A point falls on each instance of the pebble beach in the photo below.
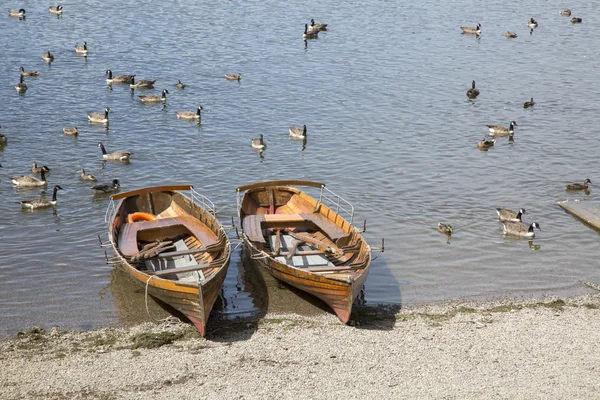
(517, 349)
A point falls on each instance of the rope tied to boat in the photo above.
(146, 297)
(261, 255)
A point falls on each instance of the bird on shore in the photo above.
(21, 87)
(71, 131)
(37, 169)
(471, 30)
(529, 103)
(29, 181)
(180, 84)
(141, 84)
(532, 23)
(154, 98)
(317, 27)
(86, 177)
(28, 73)
(579, 186)
(99, 118)
(56, 10)
(508, 215)
(189, 115)
(520, 229)
(107, 188)
(565, 12)
(575, 20)
(309, 34)
(472, 92)
(82, 50)
(297, 133)
(510, 34)
(259, 143)
(486, 143)
(41, 202)
(118, 78)
(498, 130)
(233, 77)
(445, 228)
(17, 13)
(119, 155)
(48, 57)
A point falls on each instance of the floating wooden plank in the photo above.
(583, 210)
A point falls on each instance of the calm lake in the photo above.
(382, 93)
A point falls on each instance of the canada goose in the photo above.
(141, 84)
(190, 115)
(258, 143)
(55, 10)
(118, 78)
(520, 229)
(309, 34)
(507, 215)
(470, 30)
(576, 20)
(41, 202)
(28, 73)
(486, 143)
(29, 181)
(317, 27)
(87, 177)
(36, 170)
(473, 92)
(510, 34)
(71, 131)
(119, 155)
(565, 12)
(154, 98)
(180, 84)
(47, 56)
(297, 133)
(21, 86)
(99, 118)
(107, 188)
(233, 77)
(529, 103)
(444, 228)
(17, 13)
(579, 186)
(497, 130)
(532, 23)
(82, 50)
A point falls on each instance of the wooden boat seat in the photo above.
(129, 234)
(253, 224)
(180, 270)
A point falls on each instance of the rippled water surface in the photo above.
(389, 128)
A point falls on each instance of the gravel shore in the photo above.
(522, 349)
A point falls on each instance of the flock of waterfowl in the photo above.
(103, 117)
(512, 222)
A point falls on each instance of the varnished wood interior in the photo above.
(268, 209)
(178, 218)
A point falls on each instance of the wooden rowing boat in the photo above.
(171, 244)
(304, 242)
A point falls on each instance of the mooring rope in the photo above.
(146, 297)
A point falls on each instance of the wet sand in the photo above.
(521, 349)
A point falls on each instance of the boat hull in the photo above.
(269, 208)
(194, 298)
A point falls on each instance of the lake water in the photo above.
(389, 128)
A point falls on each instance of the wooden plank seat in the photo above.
(180, 270)
(254, 224)
(215, 247)
(128, 239)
